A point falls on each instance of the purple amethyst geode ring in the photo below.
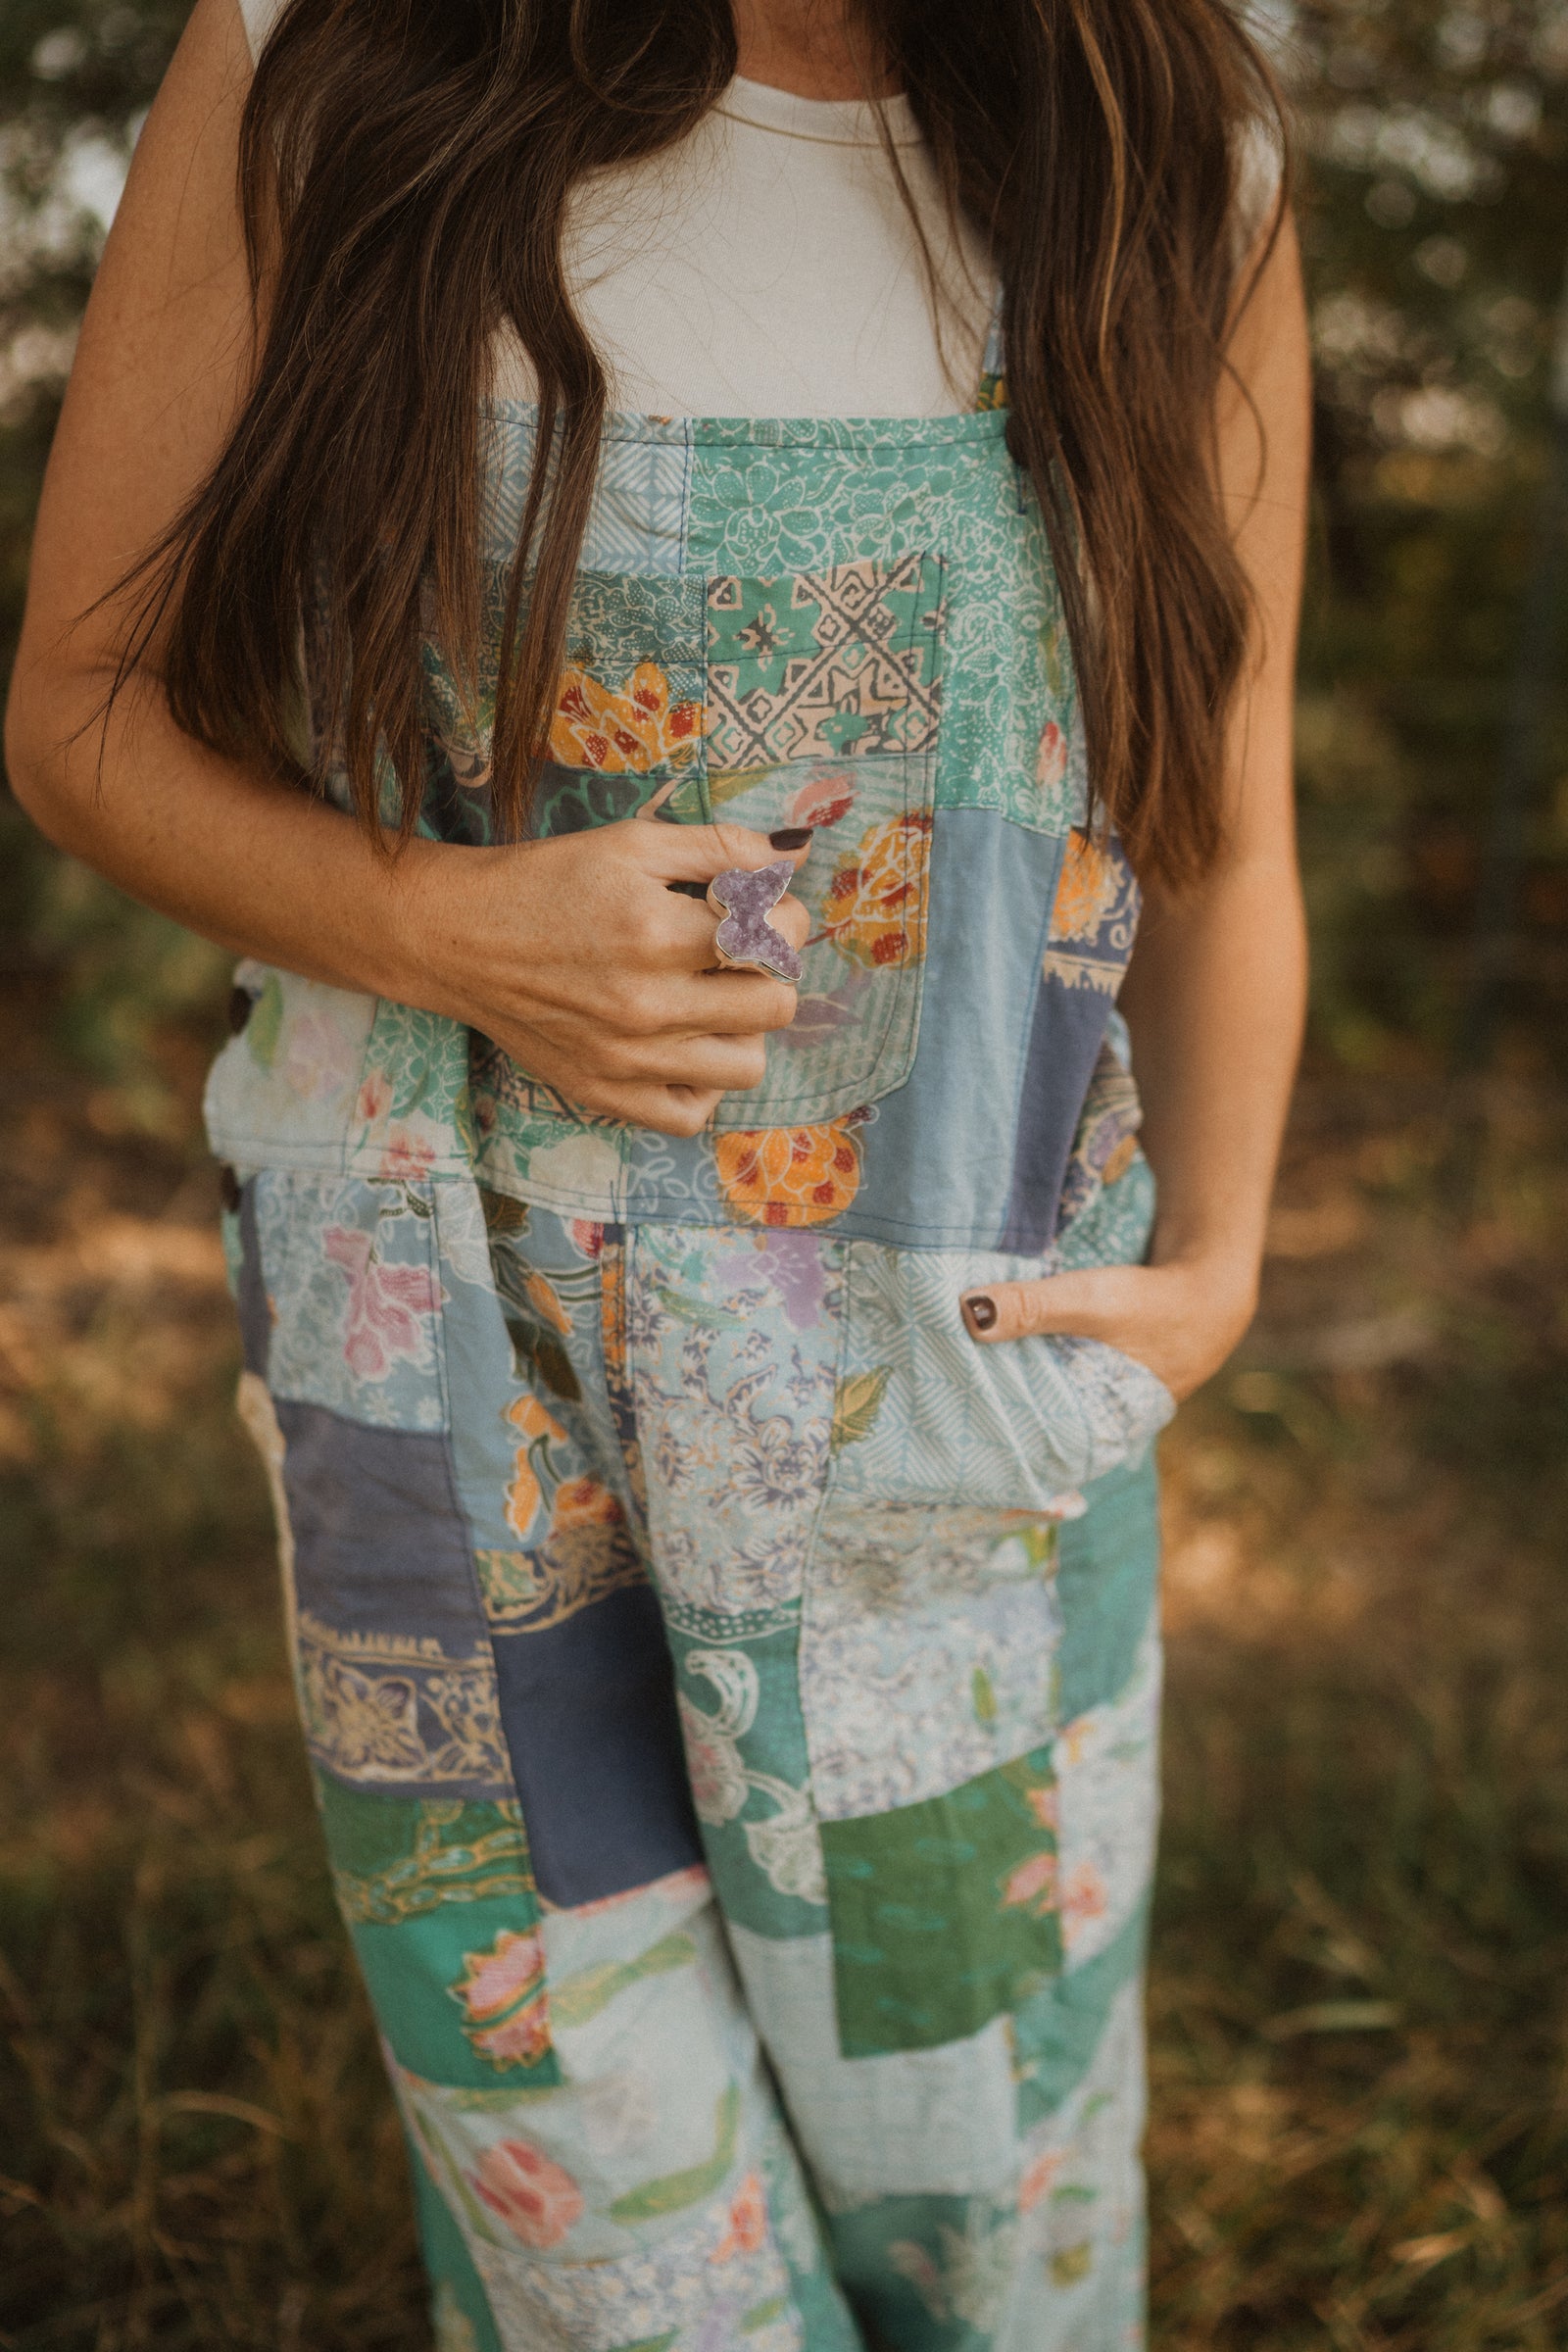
(746, 940)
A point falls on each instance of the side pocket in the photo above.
(923, 1414)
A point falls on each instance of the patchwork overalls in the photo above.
(733, 1693)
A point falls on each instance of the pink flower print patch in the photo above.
(824, 799)
(536, 2199)
(386, 1303)
(1039, 2179)
(1031, 1886)
(503, 1991)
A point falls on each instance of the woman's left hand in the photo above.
(1181, 1319)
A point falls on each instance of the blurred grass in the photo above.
(198, 2148)
(1360, 1987)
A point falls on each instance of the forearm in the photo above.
(244, 858)
(1214, 999)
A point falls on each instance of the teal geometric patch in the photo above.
(1107, 1574)
(824, 664)
(460, 2309)
(1058, 2031)
(944, 1912)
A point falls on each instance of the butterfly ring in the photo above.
(745, 941)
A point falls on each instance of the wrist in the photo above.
(1223, 1272)
(422, 947)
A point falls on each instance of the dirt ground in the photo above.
(1357, 2002)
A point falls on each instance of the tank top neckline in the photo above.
(964, 425)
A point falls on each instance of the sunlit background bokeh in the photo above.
(1359, 2002)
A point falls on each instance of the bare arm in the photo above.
(1215, 992)
(571, 953)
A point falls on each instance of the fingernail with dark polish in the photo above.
(981, 1311)
(793, 837)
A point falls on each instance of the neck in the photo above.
(813, 48)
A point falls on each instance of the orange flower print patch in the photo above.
(536, 2199)
(789, 1175)
(1093, 916)
(538, 1431)
(503, 1991)
(627, 731)
(544, 1297)
(1087, 891)
(747, 2223)
(874, 909)
(583, 1502)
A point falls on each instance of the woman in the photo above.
(709, 1409)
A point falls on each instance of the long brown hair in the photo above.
(404, 170)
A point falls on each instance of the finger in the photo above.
(670, 1110)
(730, 1005)
(1075, 1305)
(696, 853)
(727, 1065)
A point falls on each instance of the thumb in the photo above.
(1074, 1303)
(696, 853)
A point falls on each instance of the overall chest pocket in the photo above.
(802, 699)
(823, 700)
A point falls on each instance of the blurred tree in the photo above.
(1436, 143)
(76, 82)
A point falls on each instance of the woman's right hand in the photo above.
(576, 957)
(570, 952)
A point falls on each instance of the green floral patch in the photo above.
(440, 1900)
(619, 619)
(945, 1913)
(413, 1112)
(394, 1857)
(459, 1993)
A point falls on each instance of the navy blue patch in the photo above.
(379, 1545)
(588, 1709)
(1064, 1041)
(392, 1653)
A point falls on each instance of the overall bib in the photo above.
(733, 1693)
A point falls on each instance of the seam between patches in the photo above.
(449, 1464)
